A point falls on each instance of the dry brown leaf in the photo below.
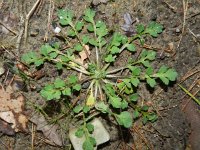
(6, 128)
(83, 53)
(49, 130)
(12, 108)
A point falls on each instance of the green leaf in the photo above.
(163, 69)
(65, 16)
(166, 75)
(64, 59)
(149, 71)
(115, 101)
(59, 83)
(145, 108)
(134, 97)
(90, 127)
(29, 57)
(78, 47)
(38, 62)
(93, 42)
(101, 106)
(88, 145)
(110, 59)
(131, 47)
(90, 28)
(154, 29)
(85, 39)
(151, 55)
(125, 119)
(77, 87)
(79, 133)
(152, 117)
(67, 92)
(136, 114)
(93, 141)
(109, 89)
(57, 94)
(171, 74)
(146, 63)
(114, 50)
(101, 29)
(86, 109)
(151, 82)
(72, 79)
(71, 33)
(53, 55)
(164, 80)
(135, 70)
(135, 81)
(117, 39)
(56, 45)
(128, 90)
(124, 104)
(79, 25)
(47, 92)
(139, 28)
(46, 49)
(77, 109)
(127, 82)
(89, 15)
(124, 39)
(59, 65)
(144, 120)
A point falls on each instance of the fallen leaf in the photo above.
(49, 130)
(6, 128)
(12, 108)
(83, 54)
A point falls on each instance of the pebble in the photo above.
(85, 85)
(2, 69)
(34, 32)
(57, 30)
(178, 30)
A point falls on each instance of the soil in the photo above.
(179, 116)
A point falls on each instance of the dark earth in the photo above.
(178, 125)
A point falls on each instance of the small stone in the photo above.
(34, 32)
(85, 85)
(57, 30)
(2, 69)
(178, 30)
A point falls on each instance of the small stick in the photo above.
(28, 17)
(51, 9)
(15, 33)
(185, 8)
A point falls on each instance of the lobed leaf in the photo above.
(125, 119)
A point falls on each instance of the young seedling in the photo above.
(109, 90)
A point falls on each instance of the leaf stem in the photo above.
(72, 67)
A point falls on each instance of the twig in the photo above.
(19, 38)
(51, 9)
(32, 136)
(28, 18)
(185, 8)
(189, 74)
(190, 94)
(174, 9)
(15, 33)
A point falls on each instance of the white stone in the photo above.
(100, 134)
(57, 30)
